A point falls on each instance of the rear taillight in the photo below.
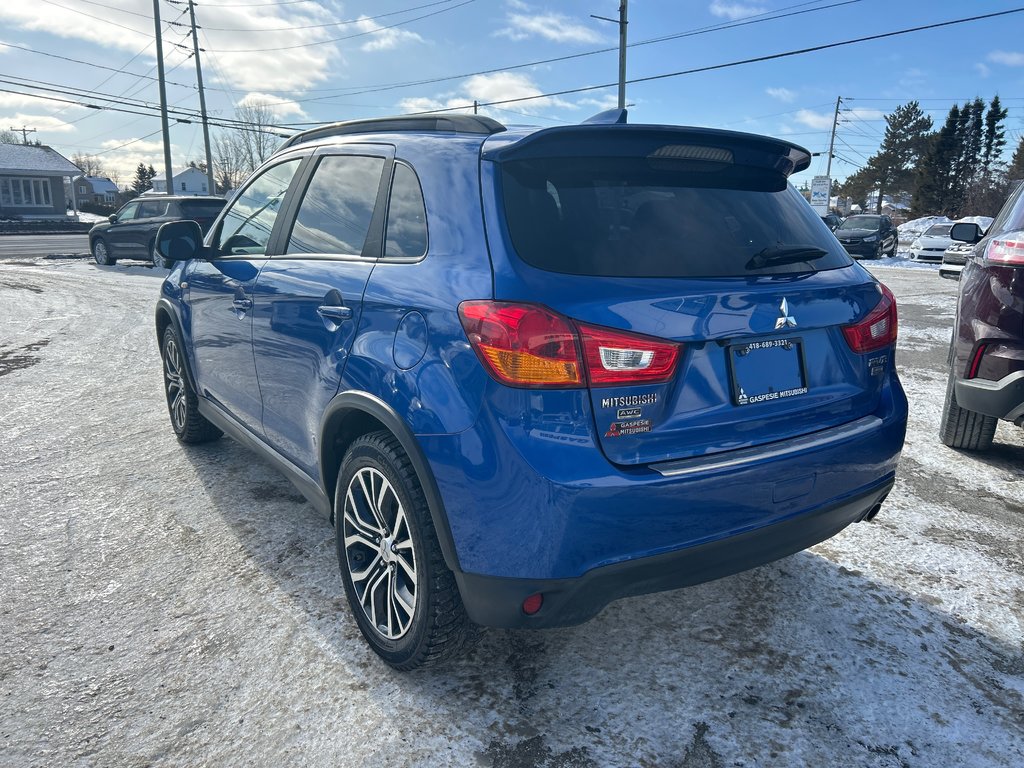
(878, 329)
(1007, 250)
(615, 358)
(528, 345)
(979, 353)
(524, 345)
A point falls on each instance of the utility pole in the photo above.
(168, 170)
(622, 22)
(24, 132)
(832, 141)
(202, 101)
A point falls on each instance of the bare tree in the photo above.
(8, 137)
(240, 150)
(228, 167)
(90, 164)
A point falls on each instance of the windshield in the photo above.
(631, 217)
(938, 230)
(861, 222)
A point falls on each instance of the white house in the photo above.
(190, 181)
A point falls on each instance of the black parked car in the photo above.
(832, 220)
(986, 355)
(868, 236)
(129, 233)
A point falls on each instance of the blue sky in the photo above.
(316, 77)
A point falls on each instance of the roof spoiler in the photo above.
(471, 124)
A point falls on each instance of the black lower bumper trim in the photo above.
(497, 602)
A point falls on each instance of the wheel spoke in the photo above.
(355, 520)
(361, 539)
(371, 594)
(369, 496)
(410, 570)
(391, 602)
(368, 571)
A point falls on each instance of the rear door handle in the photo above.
(334, 312)
(242, 305)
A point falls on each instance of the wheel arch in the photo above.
(165, 317)
(351, 415)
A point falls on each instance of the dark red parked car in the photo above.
(986, 357)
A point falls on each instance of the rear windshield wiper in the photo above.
(785, 254)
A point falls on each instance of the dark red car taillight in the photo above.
(529, 345)
(1006, 250)
(878, 329)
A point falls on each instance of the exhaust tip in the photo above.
(873, 512)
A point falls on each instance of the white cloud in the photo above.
(822, 121)
(279, 108)
(384, 39)
(551, 26)
(734, 10)
(19, 101)
(41, 123)
(782, 94)
(499, 86)
(1009, 58)
(814, 119)
(982, 69)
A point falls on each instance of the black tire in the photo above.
(965, 429)
(182, 404)
(390, 559)
(101, 253)
(895, 248)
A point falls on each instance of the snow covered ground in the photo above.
(169, 606)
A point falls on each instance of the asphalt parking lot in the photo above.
(170, 606)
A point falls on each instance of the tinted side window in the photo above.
(1011, 215)
(335, 213)
(128, 212)
(407, 218)
(249, 221)
(152, 209)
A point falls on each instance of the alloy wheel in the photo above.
(379, 553)
(175, 384)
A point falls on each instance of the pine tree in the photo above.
(141, 180)
(934, 174)
(1016, 170)
(891, 169)
(994, 139)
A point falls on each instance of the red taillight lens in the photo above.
(1006, 250)
(528, 345)
(614, 357)
(524, 345)
(878, 329)
(979, 353)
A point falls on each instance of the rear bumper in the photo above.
(497, 602)
(1003, 399)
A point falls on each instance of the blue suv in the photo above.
(526, 372)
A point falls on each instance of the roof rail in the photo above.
(474, 124)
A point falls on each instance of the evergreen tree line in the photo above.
(955, 171)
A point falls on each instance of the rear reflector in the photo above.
(1007, 250)
(878, 329)
(979, 353)
(529, 345)
(533, 603)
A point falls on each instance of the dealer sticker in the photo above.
(624, 428)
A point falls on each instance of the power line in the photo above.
(87, 63)
(328, 24)
(714, 67)
(744, 21)
(346, 37)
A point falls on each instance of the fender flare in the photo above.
(351, 401)
(165, 306)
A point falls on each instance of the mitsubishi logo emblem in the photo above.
(785, 320)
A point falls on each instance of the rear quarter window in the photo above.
(633, 217)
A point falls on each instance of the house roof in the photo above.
(162, 176)
(32, 159)
(99, 184)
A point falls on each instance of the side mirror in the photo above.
(179, 240)
(112, 218)
(965, 232)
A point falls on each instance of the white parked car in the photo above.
(932, 243)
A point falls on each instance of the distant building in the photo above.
(98, 190)
(190, 181)
(32, 181)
